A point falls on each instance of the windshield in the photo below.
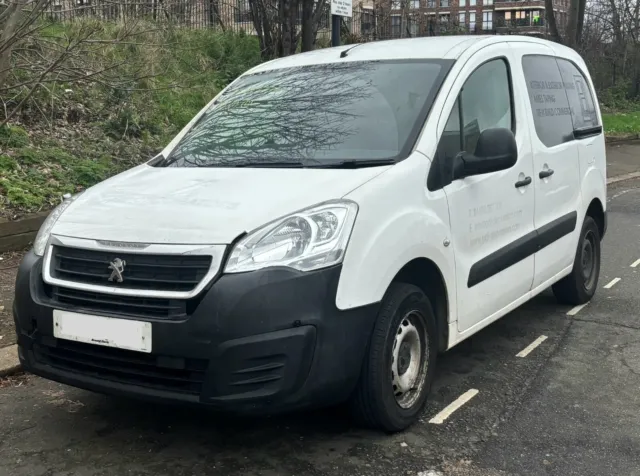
(315, 115)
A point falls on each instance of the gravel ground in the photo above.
(8, 268)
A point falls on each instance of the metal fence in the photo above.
(366, 24)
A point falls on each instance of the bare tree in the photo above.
(17, 21)
(34, 59)
(312, 15)
(573, 31)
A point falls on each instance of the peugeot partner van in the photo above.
(324, 228)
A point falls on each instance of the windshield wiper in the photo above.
(356, 164)
(260, 165)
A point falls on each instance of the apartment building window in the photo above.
(412, 27)
(444, 19)
(414, 4)
(444, 3)
(395, 26)
(463, 3)
(536, 19)
(366, 22)
(518, 18)
(472, 3)
(396, 5)
(488, 2)
(516, 15)
(462, 18)
(431, 3)
(487, 20)
(472, 21)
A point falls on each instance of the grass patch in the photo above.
(621, 123)
(70, 136)
(33, 179)
(13, 136)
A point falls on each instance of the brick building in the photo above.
(433, 17)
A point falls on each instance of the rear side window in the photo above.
(549, 101)
(583, 110)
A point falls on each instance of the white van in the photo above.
(326, 226)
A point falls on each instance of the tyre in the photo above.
(580, 286)
(399, 365)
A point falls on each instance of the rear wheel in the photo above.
(580, 286)
(400, 362)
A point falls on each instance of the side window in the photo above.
(486, 102)
(483, 103)
(583, 110)
(549, 102)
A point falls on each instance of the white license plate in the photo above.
(106, 331)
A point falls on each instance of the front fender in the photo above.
(398, 221)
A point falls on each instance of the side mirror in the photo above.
(496, 150)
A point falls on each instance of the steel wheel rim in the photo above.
(409, 360)
(588, 259)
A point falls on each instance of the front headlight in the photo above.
(311, 239)
(40, 243)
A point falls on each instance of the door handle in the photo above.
(524, 182)
(546, 173)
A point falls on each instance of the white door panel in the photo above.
(491, 218)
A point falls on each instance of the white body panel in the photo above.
(199, 206)
(398, 220)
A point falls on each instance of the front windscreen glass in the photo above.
(315, 115)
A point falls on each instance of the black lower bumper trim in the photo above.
(268, 341)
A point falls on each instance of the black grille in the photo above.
(145, 370)
(142, 271)
(134, 306)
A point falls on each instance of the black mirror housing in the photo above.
(496, 150)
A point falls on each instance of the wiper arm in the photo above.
(357, 164)
(261, 165)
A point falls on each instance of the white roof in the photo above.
(435, 47)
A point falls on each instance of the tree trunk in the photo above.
(288, 13)
(308, 26)
(214, 14)
(12, 16)
(264, 28)
(551, 21)
(581, 9)
(572, 23)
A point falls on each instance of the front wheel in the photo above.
(580, 286)
(400, 361)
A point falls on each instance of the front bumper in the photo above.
(270, 340)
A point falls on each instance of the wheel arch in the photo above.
(596, 211)
(425, 274)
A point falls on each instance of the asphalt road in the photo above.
(570, 407)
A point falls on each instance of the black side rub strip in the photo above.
(521, 248)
